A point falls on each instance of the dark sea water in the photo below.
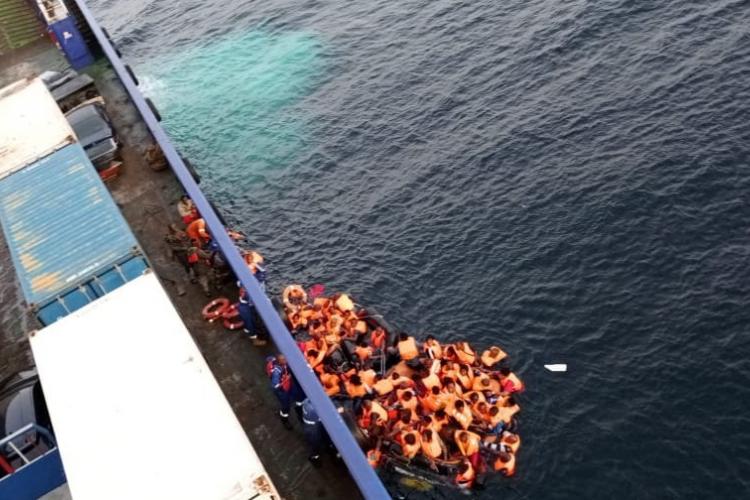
(569, 179)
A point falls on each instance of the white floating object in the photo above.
(557, 368)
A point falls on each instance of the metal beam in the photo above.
(366, 478)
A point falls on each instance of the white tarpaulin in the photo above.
(136, 410)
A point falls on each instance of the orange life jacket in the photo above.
(380, 411)
(430, 402)
(506, 468)
(410, 450)
(355, 391)
(360, 327)
(512, 383)
(197, 230)
(313, 362)
(506, 413)
(467, 396)
(466, 480)
(434, 347)
(471, 446)
(409, 405)
(432, 380)
(363, 352)
(331, 383)
(368, 377)
(477, 384)
(464, 418)
(513, 446)
(377, 338)
(432, 447)
(466, 380)
(465, 353)
(489, 360)
(383, 387)
(403, 369)
(408, 349)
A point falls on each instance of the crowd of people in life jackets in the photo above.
(443, 404)
(446, 405)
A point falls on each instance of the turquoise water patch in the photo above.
(228, 103)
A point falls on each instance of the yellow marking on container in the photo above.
(46, 281)
(29, 262)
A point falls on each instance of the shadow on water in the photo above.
(226, 101)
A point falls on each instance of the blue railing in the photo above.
(367, 480)
(36, 476)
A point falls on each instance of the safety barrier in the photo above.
(363, 474)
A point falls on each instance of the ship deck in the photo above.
(147, 199)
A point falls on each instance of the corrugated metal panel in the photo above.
(152, 422)
(32, 125)
(60, 223)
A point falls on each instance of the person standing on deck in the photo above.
(247, 312)
(281, 383)
(313, 431)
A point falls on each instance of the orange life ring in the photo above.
(215, 309)
(230, 312)
(232, 319)
(233, 324)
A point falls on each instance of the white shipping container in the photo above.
(31, 125)
(136, 411)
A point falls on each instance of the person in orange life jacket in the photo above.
(480, 413)
(462, 414)
(505, 463)
(492, 356)
(331, 383)
(511, 441)
(468, 443)
(363, 351)
(313, 431)
(197, 232)
(315, 359)
(500, 417)
(382, 386)
(407, 400)
(483, 383)
(465, 475)
(281, 383)
(432, 447)
(472, 398)
(377, 339)
(407, 347)
(465, 377)
(397, 380)
(510, 382)
(465, 353)
(430, 401)
(186, 209)
(432, 348)
(355, 387)
(368, 377)
(440, 419)
(409, 441)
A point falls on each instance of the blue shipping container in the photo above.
(69, 242)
